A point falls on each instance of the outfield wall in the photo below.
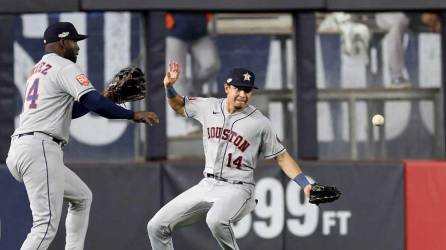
(390, 206)
(370, 214)
(425, 206)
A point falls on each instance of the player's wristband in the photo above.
(171, 92)
(301, 180)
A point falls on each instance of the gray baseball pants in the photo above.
(220, 203)
(37, 161)
(205, 62)
(396, 25)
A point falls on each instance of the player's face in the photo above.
(238, 97)
(71, 49)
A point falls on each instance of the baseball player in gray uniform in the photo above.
(235, 134)
(56, 92)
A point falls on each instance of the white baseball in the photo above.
(378, 120)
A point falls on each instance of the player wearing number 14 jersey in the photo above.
(235, 135)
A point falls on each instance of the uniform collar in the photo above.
(246, 111)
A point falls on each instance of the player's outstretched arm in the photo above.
(102, 106)
(79, 110)
(175, 100)
(290, 167)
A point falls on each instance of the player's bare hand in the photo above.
(107, 94)
(307, 190)
(146, 117)
(172, 74)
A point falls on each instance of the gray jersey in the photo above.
(54, 84)
(233, 142)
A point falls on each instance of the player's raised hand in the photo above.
(146, 117)
(172, 74)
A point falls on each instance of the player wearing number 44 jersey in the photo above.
(56, 92)
(235, 134)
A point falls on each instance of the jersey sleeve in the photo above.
(270, 145)
(74, 82)
(195, 107)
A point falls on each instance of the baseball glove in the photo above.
(127, 85)
(323, 194)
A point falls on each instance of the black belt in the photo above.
(58, 141)
(223, 179)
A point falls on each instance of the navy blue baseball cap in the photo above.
(240, 77)
(61, 30)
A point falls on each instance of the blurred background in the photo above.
(324, 68)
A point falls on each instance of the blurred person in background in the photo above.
(188, 35)
(396, 24)
(355, 36)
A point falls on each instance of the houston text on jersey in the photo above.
(231, 136)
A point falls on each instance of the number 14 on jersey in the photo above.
(237, 162)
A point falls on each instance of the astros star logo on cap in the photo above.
(247, 77)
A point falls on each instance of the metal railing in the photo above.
(280, 25)
(353, 96)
